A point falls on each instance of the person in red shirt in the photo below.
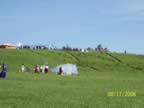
(36, 68)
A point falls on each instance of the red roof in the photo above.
(8, 44)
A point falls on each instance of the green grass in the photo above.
(98, 75)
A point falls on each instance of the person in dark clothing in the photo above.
(46, 68)
(60, 71)
(4, 71)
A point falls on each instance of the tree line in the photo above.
(99, 48)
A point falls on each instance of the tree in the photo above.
(99, 47)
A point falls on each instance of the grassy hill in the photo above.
(99, 74)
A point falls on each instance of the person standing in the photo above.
(46, 68)
(4, 71)
(22, 68)
(43, 69)
(60, 71)
(36, 68)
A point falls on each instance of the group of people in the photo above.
(43, 68)
(3, 71)
(37, 68)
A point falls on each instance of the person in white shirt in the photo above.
(22, 68)
(43, 69)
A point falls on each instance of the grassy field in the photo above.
(99, 74)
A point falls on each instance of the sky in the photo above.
(116, 24)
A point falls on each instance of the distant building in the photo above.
(8, 46)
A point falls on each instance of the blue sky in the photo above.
(116, 24)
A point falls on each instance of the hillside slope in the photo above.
(85, 61)
(99, 74)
